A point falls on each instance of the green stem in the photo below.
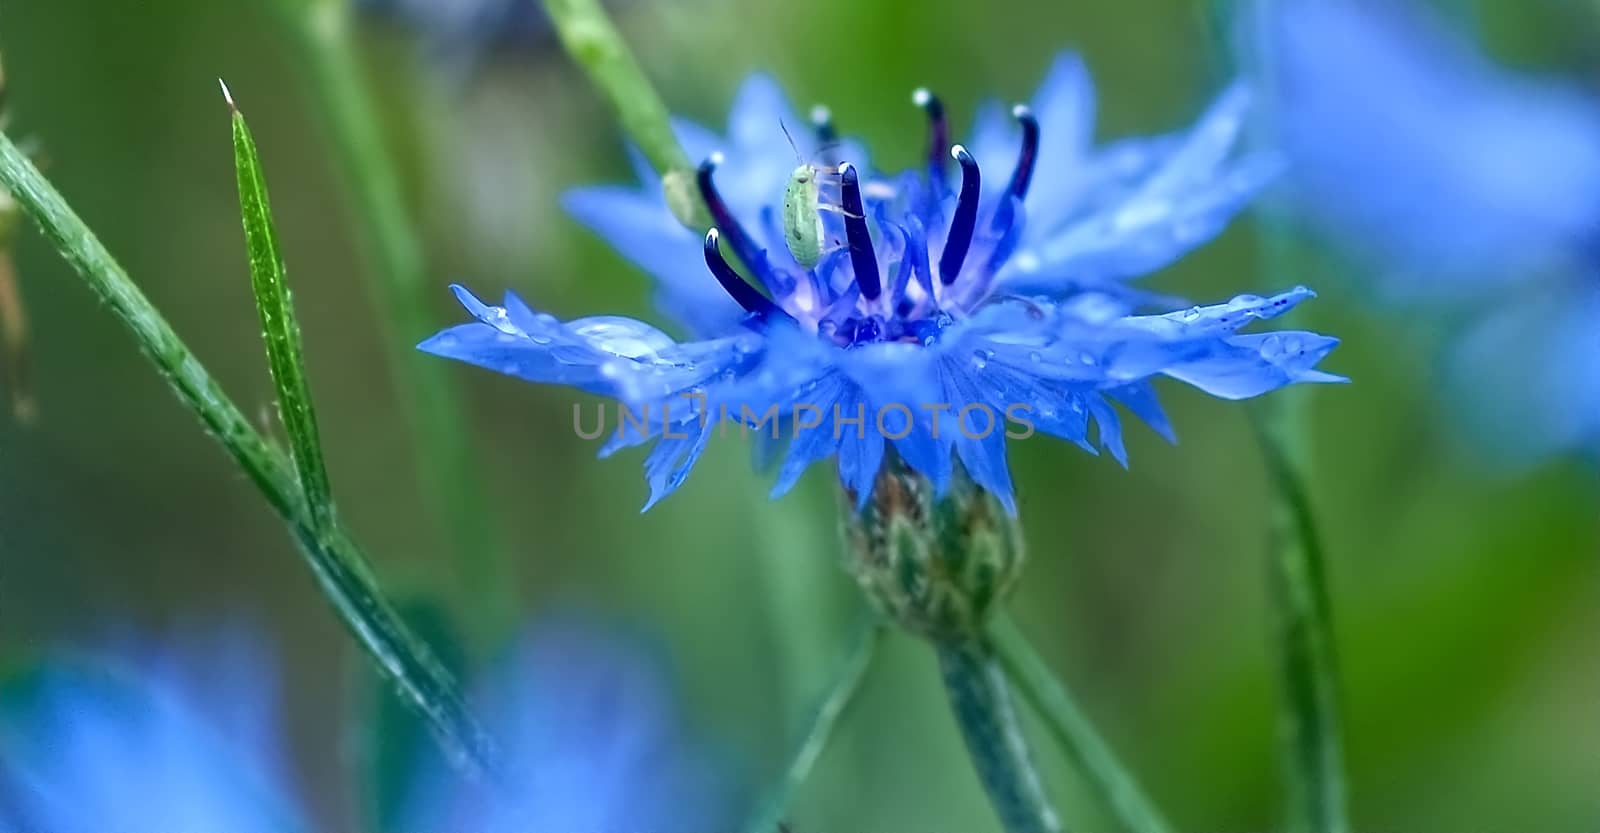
(846, 682)
(1313, 749)
(338, 565)
(1311, 732)
(597, 47)
(982, 703)
(402, 290)
(1073, 729)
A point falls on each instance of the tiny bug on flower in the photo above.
(803, 231)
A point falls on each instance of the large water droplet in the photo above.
(1143, 212)
(623, 336)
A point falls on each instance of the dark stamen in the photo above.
(938, 131)
(743, 246)
(1030, 151)
(960, 237)
(822, 123)
(856, 234)
(735, 286)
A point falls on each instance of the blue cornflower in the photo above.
(185, 741)
(1472, 189)
(456, 27)
(169, 744)
(590, 744)
(945, 315)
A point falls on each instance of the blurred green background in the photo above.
(1467, 600)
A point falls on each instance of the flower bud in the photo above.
(937, 565)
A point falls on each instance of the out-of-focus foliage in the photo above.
(1465, 598)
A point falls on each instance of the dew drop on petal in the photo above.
(623, 336)
(1141, 213)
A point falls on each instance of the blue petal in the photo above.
(165, 743)
(1181, 203)
(1525, 381)
(674, 456)
(1110, 425)
(606, 355)
(583, 713)
(1250, 365)
(641, 229)
(1408, 142)
(698, 142)
(1140, 398)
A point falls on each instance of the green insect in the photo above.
(802, 218)
(803, 232)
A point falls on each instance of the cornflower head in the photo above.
(184, 741)
(980, 295)
(1470, 191)
(591, 744)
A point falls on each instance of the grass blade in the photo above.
(598, 48)
(337, 564)
(404, 294)
(1074, 731)
(279, 327)
(841, 691)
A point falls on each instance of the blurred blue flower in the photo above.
(948, 304)
(590, 741)
(169, 746)
(1474, 192)
(457, 27)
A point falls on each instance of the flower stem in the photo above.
(1075, 732)
(597, 47)
(1311, 731)
(401, 288)
(1313, 746)
(982, 703)
(338, 565)
(846, 682)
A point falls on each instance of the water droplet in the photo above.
(1245, 301)
(1271, 347)
(448, 341)
(1191, 314)
(1035, 357)
(623, 336)
(1086, 358)
(1141, 213)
